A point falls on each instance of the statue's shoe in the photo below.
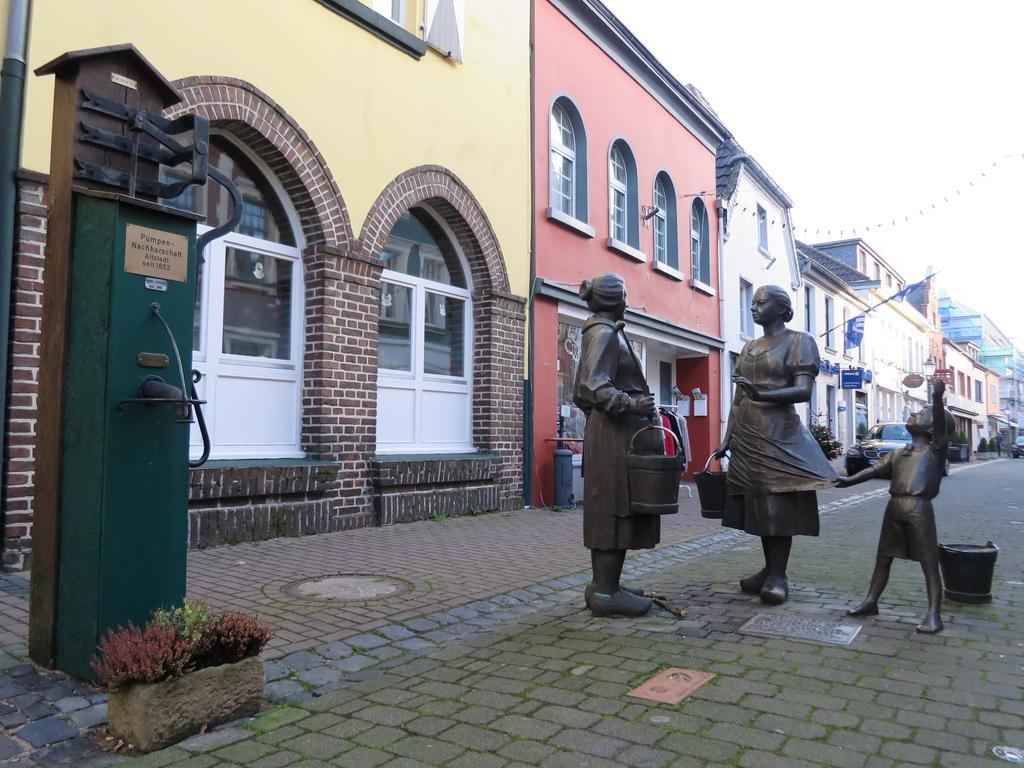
(588, 593)
(775, 590)
(752, 584)
(621, 603)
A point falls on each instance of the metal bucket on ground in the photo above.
(711, 491)
(967, 571)
(654, 478)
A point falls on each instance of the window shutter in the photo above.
(444, 26)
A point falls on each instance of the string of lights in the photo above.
(970, 184)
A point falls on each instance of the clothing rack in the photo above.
(682, 447)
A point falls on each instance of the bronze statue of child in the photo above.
(908, 528)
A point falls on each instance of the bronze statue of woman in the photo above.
(775, 465)
(612, 391)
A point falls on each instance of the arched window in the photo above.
(623, 202)
(563, 162)
(567, 140)
(423, 362)
(666, 226)
(700, 244)
(248, 326)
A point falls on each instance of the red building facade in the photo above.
(624, 182)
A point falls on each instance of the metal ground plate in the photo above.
(802, 627)
(671, 686)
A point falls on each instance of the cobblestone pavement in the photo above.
(481, 676)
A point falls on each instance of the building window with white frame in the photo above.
(247, 332)
(762, 229)
(567, 143)
(623, 196)
(423, 360)
(666, 226)
(809, 309)
(617, 195)
(700, 242)
(844, 329)
(746, 303)
(391, 9)
(830, 314)
(563, 162)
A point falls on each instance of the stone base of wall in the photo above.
(407, 506)
(419, 488)
(263, 500)
(258, 522)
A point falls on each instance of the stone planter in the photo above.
(154, 715)
(985, 455)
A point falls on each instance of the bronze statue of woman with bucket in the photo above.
(775, 465)
(621, 510)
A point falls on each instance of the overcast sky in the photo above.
(868, 112)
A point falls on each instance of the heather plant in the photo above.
(175, 642)
(231, 638)
(134, 655)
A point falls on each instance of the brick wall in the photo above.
(23, 372)
(339, 388)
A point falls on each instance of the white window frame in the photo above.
(391, 9)
(746, 301)
(567, 155)
(618, 230)
(700, 244)
(215, 364)
(830, 320)
(762, 229)
(809, 309)
(661, 238)
(416, 380)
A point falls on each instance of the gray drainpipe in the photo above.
(12, 101)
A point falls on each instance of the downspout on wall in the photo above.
(724, 366)
(12, 107)
(528, 384)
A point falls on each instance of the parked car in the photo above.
(878, 441)
(1017, 449)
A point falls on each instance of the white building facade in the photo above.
(830, 296)
(757, 248)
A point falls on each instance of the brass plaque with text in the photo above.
(154, 253)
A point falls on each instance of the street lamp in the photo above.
(929, 368)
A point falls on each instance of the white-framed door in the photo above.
(248, 344)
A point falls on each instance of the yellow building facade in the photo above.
(383, 150)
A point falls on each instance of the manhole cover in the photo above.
(350, 587)
(801, 628)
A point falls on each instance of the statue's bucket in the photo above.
(967, 571)
(654, 479)
(711, 490)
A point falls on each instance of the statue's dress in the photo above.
(775, 465)
(607, 377)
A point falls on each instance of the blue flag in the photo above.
(854, 332)
(900, 295)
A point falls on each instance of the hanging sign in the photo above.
(852, 378)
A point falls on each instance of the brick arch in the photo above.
(244, 111)
(444, 192)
